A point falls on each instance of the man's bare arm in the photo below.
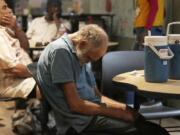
(109, 102)
(79, 105)
(114, 104)
(19, 71)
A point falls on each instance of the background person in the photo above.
(15, 80)
(150, 16)
(46, 28)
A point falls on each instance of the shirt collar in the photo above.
(2, 27)
(69, 42)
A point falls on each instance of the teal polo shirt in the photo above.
(58, 64)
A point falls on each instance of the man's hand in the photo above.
(135, 115)
(9, 21)
(19, 71)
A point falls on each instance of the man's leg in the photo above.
(138, 32)
(109, 125)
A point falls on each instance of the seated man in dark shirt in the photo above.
(68, 84)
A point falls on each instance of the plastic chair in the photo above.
(45, 107)
(118, 62)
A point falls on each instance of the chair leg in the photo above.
(136, 101)
(44, 116)
(160, 121)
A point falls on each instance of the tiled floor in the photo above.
(6, 110)
(170, 122)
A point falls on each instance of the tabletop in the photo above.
(136, 78)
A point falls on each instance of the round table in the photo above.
(169, 89)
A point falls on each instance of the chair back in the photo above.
(45, 107)
(118, 62)
(32, 68)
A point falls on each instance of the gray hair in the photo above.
(93, 33)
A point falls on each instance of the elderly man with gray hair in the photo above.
(68, 85)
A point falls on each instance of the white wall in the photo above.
(68, 4)
(123, 10)
(124, 15)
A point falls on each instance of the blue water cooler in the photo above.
(174, 45)
(157, 55)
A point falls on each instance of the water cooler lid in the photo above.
(173, 39)
(156, 40)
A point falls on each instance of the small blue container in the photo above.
(129, 97)
(156, 58)
(174, 45)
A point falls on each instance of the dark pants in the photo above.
(155, 31)
(102, 125)
(110, 126)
